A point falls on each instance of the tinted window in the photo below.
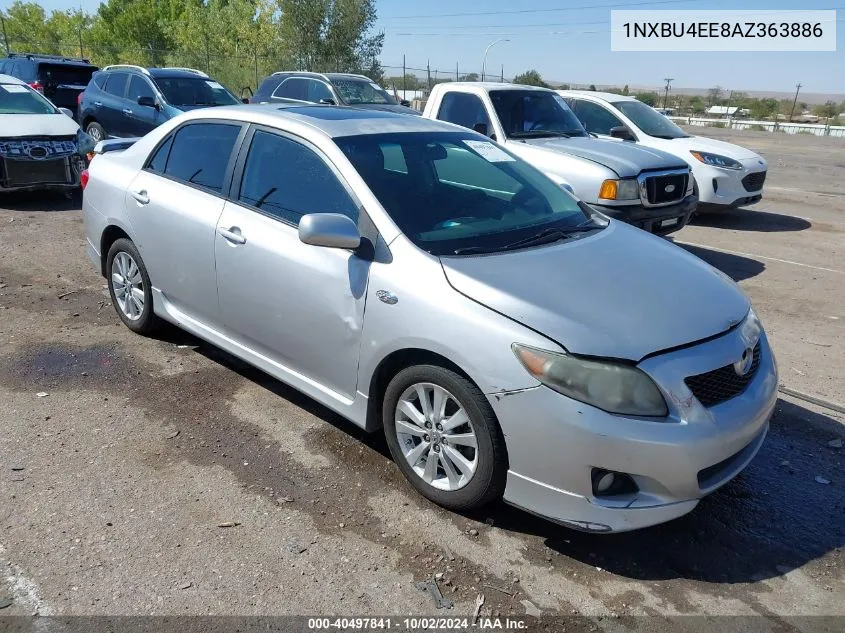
(463, 109)
(394, 159)
(139, 87)
(116, 84)
(288, 180)
(293, 88)
(649, 120)
(99, 80)
(200, 154)
(194, 91)
(65, 74)
(317, 90)
(595, 118)
(535, 114)
(159, 160)
(460, 191)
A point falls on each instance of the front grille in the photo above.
(722, 384)
(656, 188)
(754, 182)
(34, 172)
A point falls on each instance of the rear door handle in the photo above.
(98, 103)
(232, 234)
(127, 111)
(140, 196)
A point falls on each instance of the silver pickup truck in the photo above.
(645, 187)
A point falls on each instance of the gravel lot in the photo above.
(161, 476)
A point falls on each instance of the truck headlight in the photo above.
(624, 189)
(716, 160)
(613, 387)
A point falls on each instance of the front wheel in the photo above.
(444, 436)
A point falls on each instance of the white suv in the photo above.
(726, 175)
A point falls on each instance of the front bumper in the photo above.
(31, 175)
(554, 443)
(723, 189)
(658, 220)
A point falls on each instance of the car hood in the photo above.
(627, 159)
(620, 293)
(387, 107)
(703, 144)
(18, 125)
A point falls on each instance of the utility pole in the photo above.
(428, 72)
(668, 81)
(404, 87)
(457, 76)
(502, 77)
(5, 37)
(794, 101)
(728, 109)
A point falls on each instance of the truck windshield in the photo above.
(649, 120)
(453, 193)
(535, 114)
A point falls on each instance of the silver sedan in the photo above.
(416, 277)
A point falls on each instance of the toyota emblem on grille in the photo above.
(669, 188)
(37, 152)
(743, 365)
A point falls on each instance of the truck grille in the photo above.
(754, 182)
(722, 384)
(19, 173)
(656, 188)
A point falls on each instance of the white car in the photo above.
(41, 146)
(726, 175)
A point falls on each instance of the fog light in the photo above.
(605, 482)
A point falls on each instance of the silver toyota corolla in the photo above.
(415, 276)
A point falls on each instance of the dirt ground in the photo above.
(161, 476)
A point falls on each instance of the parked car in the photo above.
(415, 276)
(726, 175)
(329, 88)
(41, 146)
(126, 101)
(60, 79)
(644, 187)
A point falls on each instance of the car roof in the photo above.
(175, 72)
(50, 59)
(8, 79)
(492, 85)
(603, 96)
(333, 121)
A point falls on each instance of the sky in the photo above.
(569, 41)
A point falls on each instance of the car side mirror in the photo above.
(621, 131)
(66, 112)
(148, 102)
(405, 103)
(327, 102)
(481, 128)
(245, 100)
(331, 230)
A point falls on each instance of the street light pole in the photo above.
(486, 50)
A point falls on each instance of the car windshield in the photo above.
(649, 120)
(194, 91)
(17, 99)
(535, 114)
(453, 193)
(356, 91)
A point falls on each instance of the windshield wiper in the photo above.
(546, 236)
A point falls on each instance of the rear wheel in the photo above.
(96, 131)
(444, 437)
(130, 288)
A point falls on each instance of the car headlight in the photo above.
(610, 386)
(715, 160)
(625, 189)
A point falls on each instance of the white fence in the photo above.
(786, 127)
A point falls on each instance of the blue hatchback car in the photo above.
(125, 101)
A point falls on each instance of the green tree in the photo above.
(625, 90)
(764, 108)
(27, 30)
(828, 110)
(470, 77)
(648, 98)
(530, 78)
(714, 95)
(697, 104)
(592, 87)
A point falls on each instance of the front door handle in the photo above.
(140, 196)
(98, 103)
(127, 111)
(232, 234)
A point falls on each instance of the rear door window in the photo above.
(293, 88)
(116, 84)
(139, 87)
(200, 154)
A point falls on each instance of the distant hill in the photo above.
(806, 97)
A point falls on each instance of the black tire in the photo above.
(147, 322)
(488, 482)
(99, 131)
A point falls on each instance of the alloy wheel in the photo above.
(128, 286)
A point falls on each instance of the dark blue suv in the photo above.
(125, 101)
